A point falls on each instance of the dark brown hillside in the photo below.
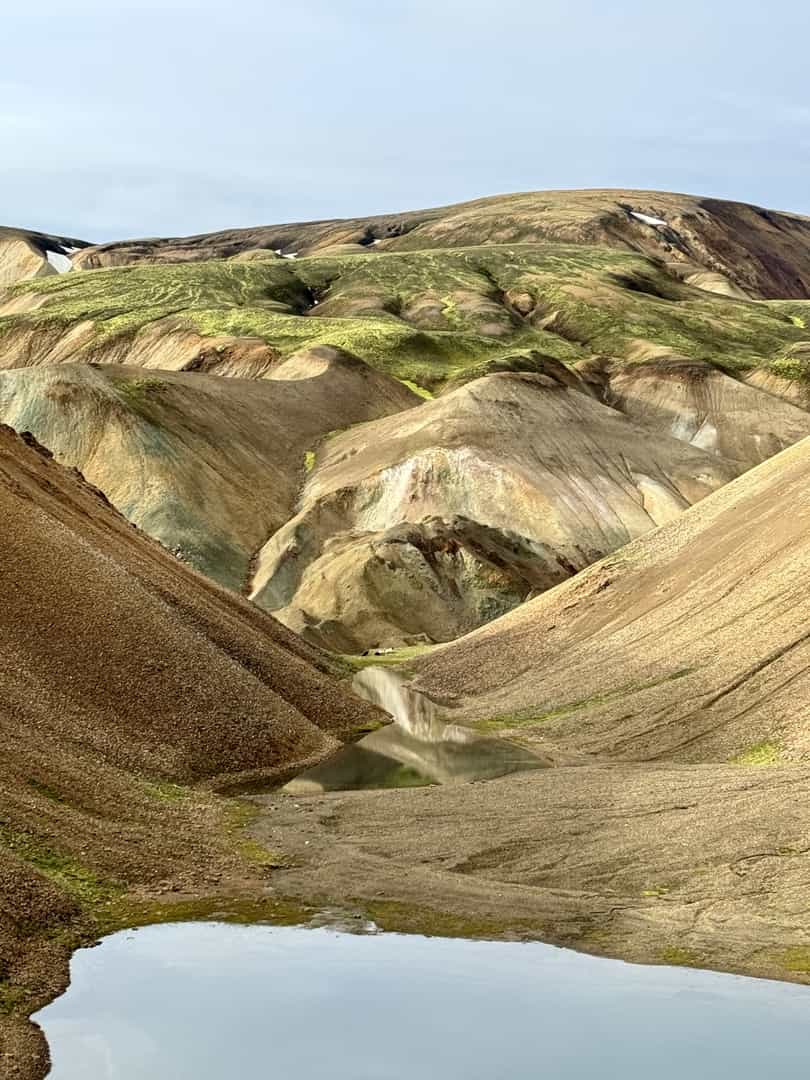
(123, 676)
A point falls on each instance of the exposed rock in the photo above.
(693, 401)
(210, 467)
(24, 254)
(690, 644)
(439, 519)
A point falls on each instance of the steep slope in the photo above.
(690, 644)
(693, 401)
(114, 645)
(729, 247)
(210, 467)
(123, 671)
(431, 522)
(25, 254)
(676, 675)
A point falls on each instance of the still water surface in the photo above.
(416, 750)
(208, 1001)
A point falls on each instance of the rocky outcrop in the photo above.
(25, 255)
(693, 401)
(210, 467)
(437, 520)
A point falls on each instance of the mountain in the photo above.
(430, 317)
(730, 247)
(684, 317)
(669, 686)
(561, 434)
(689, 644)
(209, 467)
(426, 524)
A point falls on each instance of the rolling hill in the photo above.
(426, 524)
(687, 316)
(733, 247)
(687, 645)
(209, 467)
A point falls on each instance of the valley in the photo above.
(528, 475)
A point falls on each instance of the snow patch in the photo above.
(705, 438)
(647, 219)
(60, 263)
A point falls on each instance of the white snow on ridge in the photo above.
(60, 263)
(647, 219)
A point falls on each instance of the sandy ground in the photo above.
(700, 865)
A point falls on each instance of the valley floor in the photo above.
(700, 865)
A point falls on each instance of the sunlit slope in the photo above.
(210, 467)
(690, 644)
(730, 247)
(427, 316)
(425, 524)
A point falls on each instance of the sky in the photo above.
(124, 118)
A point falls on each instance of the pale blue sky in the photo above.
(123, 118)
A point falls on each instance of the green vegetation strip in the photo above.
(526, 718)
(763, 753)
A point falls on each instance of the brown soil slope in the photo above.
(728, 247)
(112, 644)
(439, 519)
(690, 644)
(122, 670)
(210, 467)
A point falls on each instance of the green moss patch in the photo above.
(763, 753)
(396, 657)
(676, 956)
(420, 390)
(83, 884)
(425, 317)
(530, 718)
(397, 916)
(796, 960)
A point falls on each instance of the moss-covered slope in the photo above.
(426, 316)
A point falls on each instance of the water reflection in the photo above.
(417, 749)
(214, 1002)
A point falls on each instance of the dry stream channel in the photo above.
(215, 1001)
